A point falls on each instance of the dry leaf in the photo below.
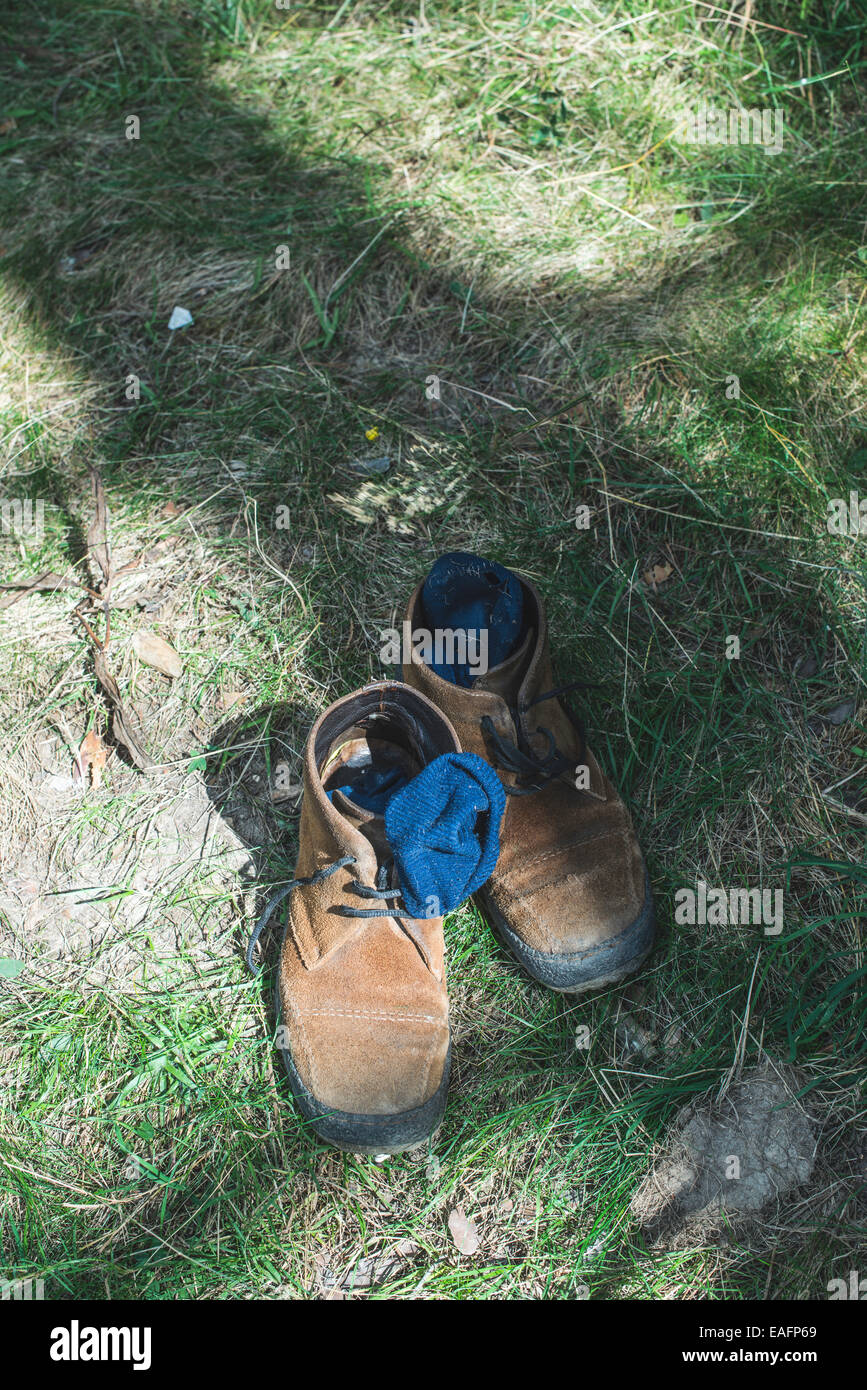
(657, 574)
(230, 698)
(7, 126)
(171, 509)
(805, 666)
(97, 531)
(43, 583)
(153, 651)
(92, 756)
(124, 727)
(634, 1040)
(840, 713)
(464, 1233)
(38, 54)
(80, 255)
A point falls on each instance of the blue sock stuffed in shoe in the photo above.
(442, 826)
(374, 788)
(443, 829)
(466, 592)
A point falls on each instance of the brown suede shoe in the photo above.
(362, 993)
(570, 895)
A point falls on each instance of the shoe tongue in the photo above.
(505, 679)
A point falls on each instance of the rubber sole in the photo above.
(365, 1134)
(574, 972)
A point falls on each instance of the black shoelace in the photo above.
(380, 891)
(520, 758)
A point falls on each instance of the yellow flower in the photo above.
(372, 433)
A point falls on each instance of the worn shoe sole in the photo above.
(574, 972)
(366, 1134)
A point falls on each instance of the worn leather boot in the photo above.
(570, 895)
(361, 990)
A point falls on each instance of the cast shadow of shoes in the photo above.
(253, 778)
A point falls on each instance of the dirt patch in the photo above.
(731, 1157)
(110, 887)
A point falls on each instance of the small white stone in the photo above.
(180, 318)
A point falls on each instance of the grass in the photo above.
(492, 196)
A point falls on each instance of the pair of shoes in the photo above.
(472, 776)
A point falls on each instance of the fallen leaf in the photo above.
(230, 698)
(634, 1040)
(153, 651)
(840, 713)
(92, 756)
(372, 1269)
(464, 1233)
(123, 725)
(10, 969)
(171, 509)
(81, 254)
(43, 583)
(38, 54)
(97, 531)
(806, 666)
(7, 126)
(657, 574)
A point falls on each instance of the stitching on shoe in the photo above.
(543, 887)
(378, 1014)
(562, 849)
(566, 878)
(358, 1119)
(516, 899)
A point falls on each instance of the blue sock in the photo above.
(466, 592)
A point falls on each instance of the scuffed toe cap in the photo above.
(578, 933)
(576, 897)
(367, 1063)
